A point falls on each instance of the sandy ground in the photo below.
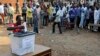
(70, 43)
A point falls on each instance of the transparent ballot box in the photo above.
(22, 43)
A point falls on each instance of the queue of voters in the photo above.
(64, 15)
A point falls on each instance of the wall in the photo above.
(13, 2)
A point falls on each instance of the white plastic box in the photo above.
(22, 44)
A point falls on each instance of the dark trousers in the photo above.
(35, 29)
(78, 21)
(24, 16)
(59, 26)
(45, 20)
(72, 21)
(87, 22)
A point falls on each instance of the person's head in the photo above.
(77, 6)
(84, 5)
(34, 4)
(97, 8)
(37, 6)
(29, 6)
(0, 3)
(65, 4)
(10, 4)
(5, 5)
(18, 19)
(35, 12)
(24, 4)
(48, 6)
(60, 8)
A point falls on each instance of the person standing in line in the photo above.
(87, 17)
(82, 17)
(10, 12)
(43, 13)
(41, 18)
(85, 13)
(6, 13)
(64, 9)
(29, 16)
(50, 12)
(17, 8)
(53, 12)
(91, 13)
(78, 12)
(46, 19)
(33, 7)
(24, 9)
(96, 17)
(2, 11)
(77, 17)
(57, 21)
(69, 5)
(61, 15)
(72, 15)
(35, 21)
(38, 9)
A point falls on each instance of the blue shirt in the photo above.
(72, 13)
(78, 12)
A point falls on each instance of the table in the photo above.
(40, 50)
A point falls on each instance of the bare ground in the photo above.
(70, 43)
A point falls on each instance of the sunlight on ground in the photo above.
(4, 40)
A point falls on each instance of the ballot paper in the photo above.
(25, 26)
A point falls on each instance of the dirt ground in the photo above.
(70, 43)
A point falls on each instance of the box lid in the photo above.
(23, 34)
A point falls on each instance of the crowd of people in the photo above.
(6, 12)
(39, 15)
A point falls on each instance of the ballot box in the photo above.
(22, 43)
(39, 50)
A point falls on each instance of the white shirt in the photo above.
(96, 14)
(67, 16)
(64, 9)
(38, 10)
(85, 8)
(60, 13)
(58, 16)
(11, 10)
(53, 10)
(69, 6)
(1, 8)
